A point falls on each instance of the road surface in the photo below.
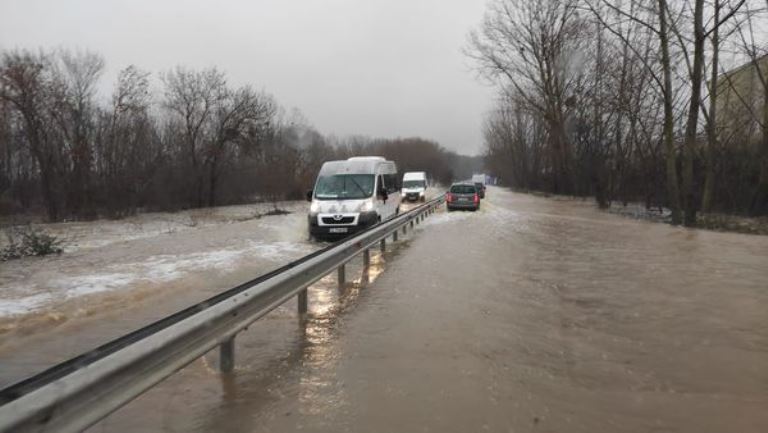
(533, 314)
(530, 315)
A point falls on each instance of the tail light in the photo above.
(476, 198)
(448, 197)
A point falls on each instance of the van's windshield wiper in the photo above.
(358, 186)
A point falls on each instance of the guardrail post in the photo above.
(366, 258)
(411, 224)
(227, 355)
(302, 298)
(394, 236)
(383, 245)
(405, 228)
(342, 276)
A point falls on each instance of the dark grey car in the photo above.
(480, 190)
(462, 196)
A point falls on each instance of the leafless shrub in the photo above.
(27, 241)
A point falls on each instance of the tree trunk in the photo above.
(212, 184)
(689, 193)
(712, 130)
(673, 190)
(49, 191)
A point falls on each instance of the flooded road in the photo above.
(117, 276)
(531, 315)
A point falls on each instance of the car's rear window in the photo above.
(463, 189)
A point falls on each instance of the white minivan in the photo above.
(352, 195)
(414, 186)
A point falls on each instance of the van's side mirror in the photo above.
(383, 194)
(309, 195)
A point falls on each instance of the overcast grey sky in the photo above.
(373, 67)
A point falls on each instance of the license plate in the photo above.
(338, 230)
(463, 199)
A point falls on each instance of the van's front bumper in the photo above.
(336, 231)
(412, 195)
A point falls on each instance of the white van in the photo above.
(352, 195)
(414, 186)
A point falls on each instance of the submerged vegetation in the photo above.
(25, 241)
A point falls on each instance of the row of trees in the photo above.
(196, 141)
(611, 99)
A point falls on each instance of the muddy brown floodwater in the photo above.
(532, 315)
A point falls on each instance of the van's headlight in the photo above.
(314, 207)
(421, 193)
(367, 206)
(402, 194)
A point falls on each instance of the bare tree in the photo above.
(73, 88)
(535, 48)
(242, 117)
(25, 84)
(129, 152)
(192, 97)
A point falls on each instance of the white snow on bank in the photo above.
(155, 269)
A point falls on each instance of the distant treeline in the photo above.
(198, 141)
(630, 101)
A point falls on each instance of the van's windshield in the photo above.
(413, 184)
(344, 187)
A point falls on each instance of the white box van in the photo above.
(479, 178)
(414, 186)
(352, 195)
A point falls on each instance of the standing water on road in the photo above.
(529, 315)
(117, 276)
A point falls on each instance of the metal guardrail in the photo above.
(76, 394)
